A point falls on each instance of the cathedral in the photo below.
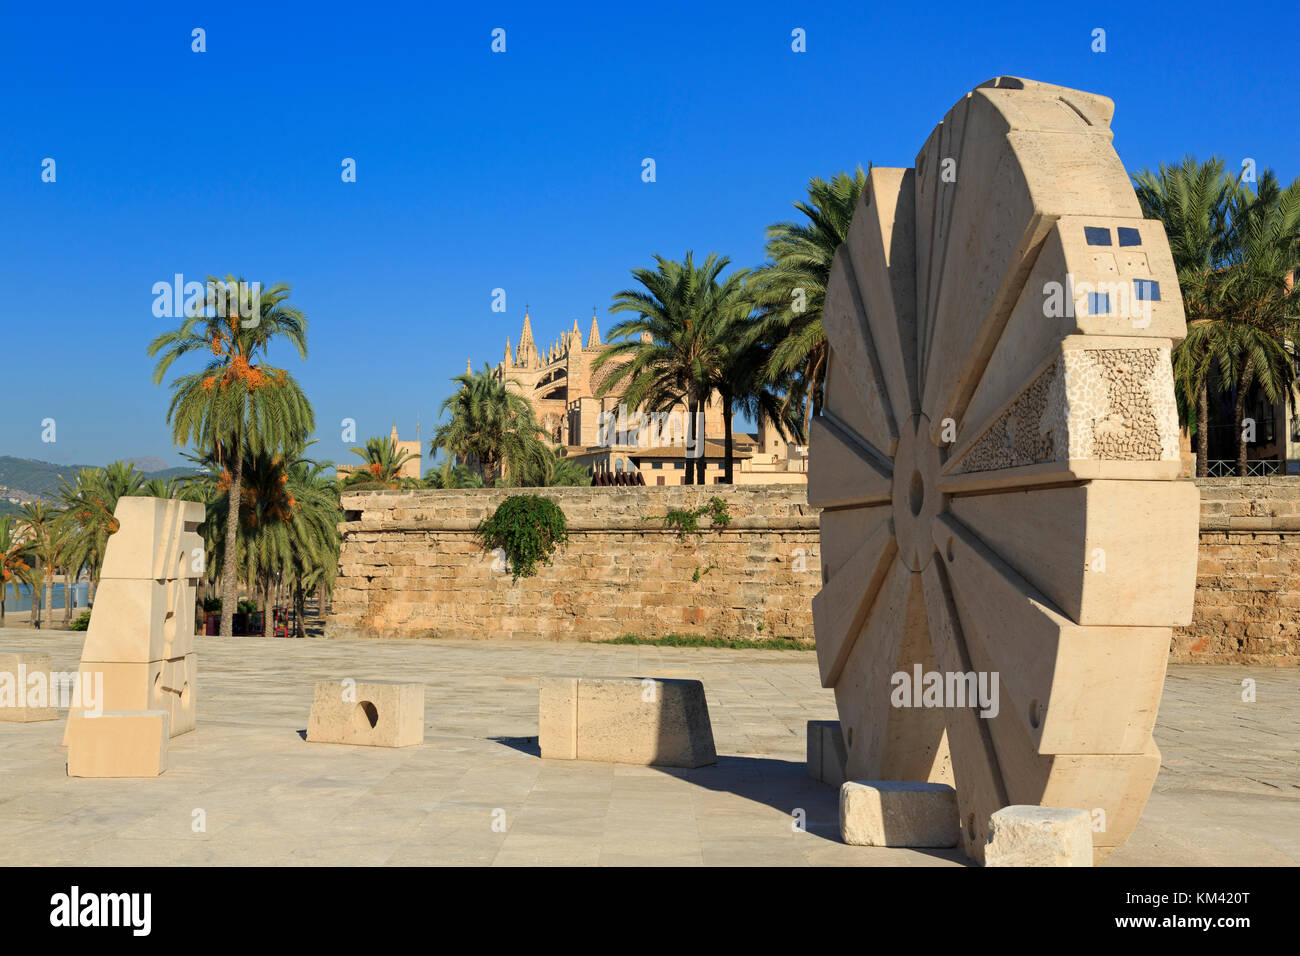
(561, 387)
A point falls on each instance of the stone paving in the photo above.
(1228, 793)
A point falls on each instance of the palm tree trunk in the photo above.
(92, 587)
(49, 593)
(229, 584)
(1203, 429)
(2, 609)
(69, 595)
(268, 592)
(38, 596)
(1245, 380)
(299, 611)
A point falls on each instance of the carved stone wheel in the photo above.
(997, 459)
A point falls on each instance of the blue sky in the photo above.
(478, 171)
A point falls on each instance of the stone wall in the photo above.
(411, 567)
(1248, 576)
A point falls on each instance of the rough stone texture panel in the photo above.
(411, 566)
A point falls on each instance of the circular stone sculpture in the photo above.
(1005, 544)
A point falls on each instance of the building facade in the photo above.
(603, 434)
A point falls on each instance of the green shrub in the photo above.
(212, 605)
(247, 606)
(528, 528)
(687, 521)
(81, 623)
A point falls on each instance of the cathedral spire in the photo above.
(528, 356)
(593, 337)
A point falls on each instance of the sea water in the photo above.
(81, 590)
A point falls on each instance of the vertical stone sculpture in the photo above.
(141, 634)
(997, 459)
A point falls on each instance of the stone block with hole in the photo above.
(26, 695)
(826, 752)
(638, 720)
(898, 813)
(1039, 836)
(372, 713)
(170, 686)
(118, 744)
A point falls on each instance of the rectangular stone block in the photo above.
(647, 721)
(118, 744)
(170, 686)
(898, 813)
(375, 713)
(156, 538)
(141, 620)
(25, 692)
(1039, 836)
(826, 752)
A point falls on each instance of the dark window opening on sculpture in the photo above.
(1128, 236)
(1096, 235)
(1146, 290)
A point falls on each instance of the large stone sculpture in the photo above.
(997, 459)
(141, 634)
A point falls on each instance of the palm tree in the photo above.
(384, 460)
(38, 523)
(492, 429)
(1193, 201)
(674, 351)
(89, 500)
(287, 537)
(15, 570)
(790, 289)
(1259, 294)
(238, 403)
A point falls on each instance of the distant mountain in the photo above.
(26, 479)
(148, 464)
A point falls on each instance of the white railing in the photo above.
(1227, 468)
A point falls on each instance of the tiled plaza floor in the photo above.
(1228, 793)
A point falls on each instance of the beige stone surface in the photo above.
(637, 720)
(826, 752)
(898, 813)
(270, 798)
(1005, 364)
(24, 679)
(156, 539)
(1039, 836)
(118, 744)
(369, 713)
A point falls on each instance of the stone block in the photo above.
(826, 752)
(141, 620)
(648, 721)
(118, 744)
(170, 686)
(898, 813)
(25, 692)
(155, 540)
(375, 713)
(1039, 836)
